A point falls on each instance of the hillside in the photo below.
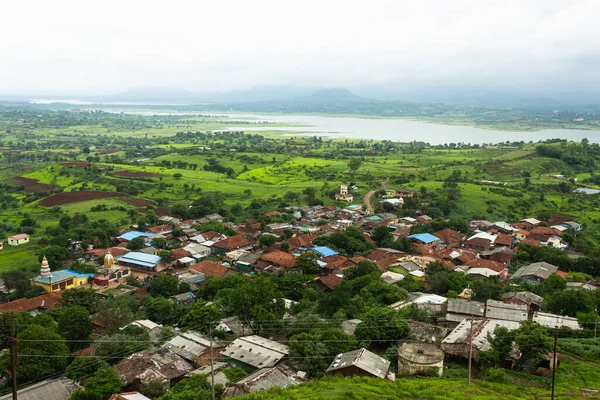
(570, 378)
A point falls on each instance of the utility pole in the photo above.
(595, 324)
(554, 366)
(470, 348)
(212, 365)
(14, 361)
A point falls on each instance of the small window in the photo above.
(69, 282)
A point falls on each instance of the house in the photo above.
(151, 327)
(423, 243)
(504, 240)
(161, 229)
(51, 389)
(216, 369)
(555, 321)
(424, 219)
(329, 282)
(458, 342)
(478, 244)
(530, 222)
(535, 273)
(140, 261)
(324, 251)
(129, 236)
(160, 365)
(410, 266)
(192, 347)
(260, 381)
(129, 396)
(520, 234)
(187, 298)
(571, 225)
(459, 309)
(34, 305)
(404, 192)
(503, 227)
(397, 203)
(531, 300)
(343, 195)
(212, 269)
(409, 220)
(197, 251)
(449, 237)
(500, 254)
(480, 268)
(478, 224)
(55, 281)
(506, 311)
(301, 240)
(247, 261)
(18, 240)
(277, 260)
(360, 362)
(233, 243)
(426, 301)
(254, 352)
(392, 277)
(336, 263)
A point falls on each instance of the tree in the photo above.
(74, 324)
(267, 240)
(362, 268)
(56, 256)
(488, 288)
(177, 175)
(569, 302)
(164, 285)
(114, 313)
(354, 164)
(317, 348)
(84, 366)
(160, 310)
(19, 281)
(128, 341)
(195, 388)
(501, 342)
(166, 256)
(533, 341)
(42, 352)
(201, 316)
(307, 263)
(159, 243)
(252, 302)
(393, 327)
(381, 235)
(136, 244)
(554, 283)
(105, 382)
(84, 297)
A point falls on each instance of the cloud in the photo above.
(67, 46)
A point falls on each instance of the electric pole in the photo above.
(470, 348)
(212, 365)
(595, 324)
(554, 366)
(14, 361)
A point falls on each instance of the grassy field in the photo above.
(571, 377)
(24, 256)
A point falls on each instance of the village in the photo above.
(490, 287)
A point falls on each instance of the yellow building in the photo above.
(59, 280)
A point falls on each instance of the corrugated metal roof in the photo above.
(470, 308)
(185, 348)
(506, 311)
(481, 327)
(134, 234)
(553, 321)
(424, 237)
(256, 351)
(363, 359)
(324, 251)
(54, 389)
(138, 258)
(267, 378)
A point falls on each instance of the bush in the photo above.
(497, 375)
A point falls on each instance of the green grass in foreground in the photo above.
(19, 257)
(570, 378)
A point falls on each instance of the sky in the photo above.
(101, 47)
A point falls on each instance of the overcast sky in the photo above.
(101, 47)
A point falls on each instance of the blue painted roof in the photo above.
(324, 251)
(78, 274)
(134, 257)
(375, 218)
(134, 234)
(424, 237)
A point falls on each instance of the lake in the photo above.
(402, 130)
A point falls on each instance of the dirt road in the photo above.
(368, 196)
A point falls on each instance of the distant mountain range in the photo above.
(288, 95)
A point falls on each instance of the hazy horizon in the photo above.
(540, 47)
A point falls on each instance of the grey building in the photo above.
(359, 362)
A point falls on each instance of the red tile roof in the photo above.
(448, 236)
(562, 274)
(336, 261)
(544, 230)
(280, 258)
(115, 251)
(234, 242)
(489, 264)
(210, 268)
(503, 240)
(160, 228)
(478, 242)
(271, 213)
(379, 254)
(330, 281)
(532, 242)
(301, 240)
(48, 300)
(180, 253)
